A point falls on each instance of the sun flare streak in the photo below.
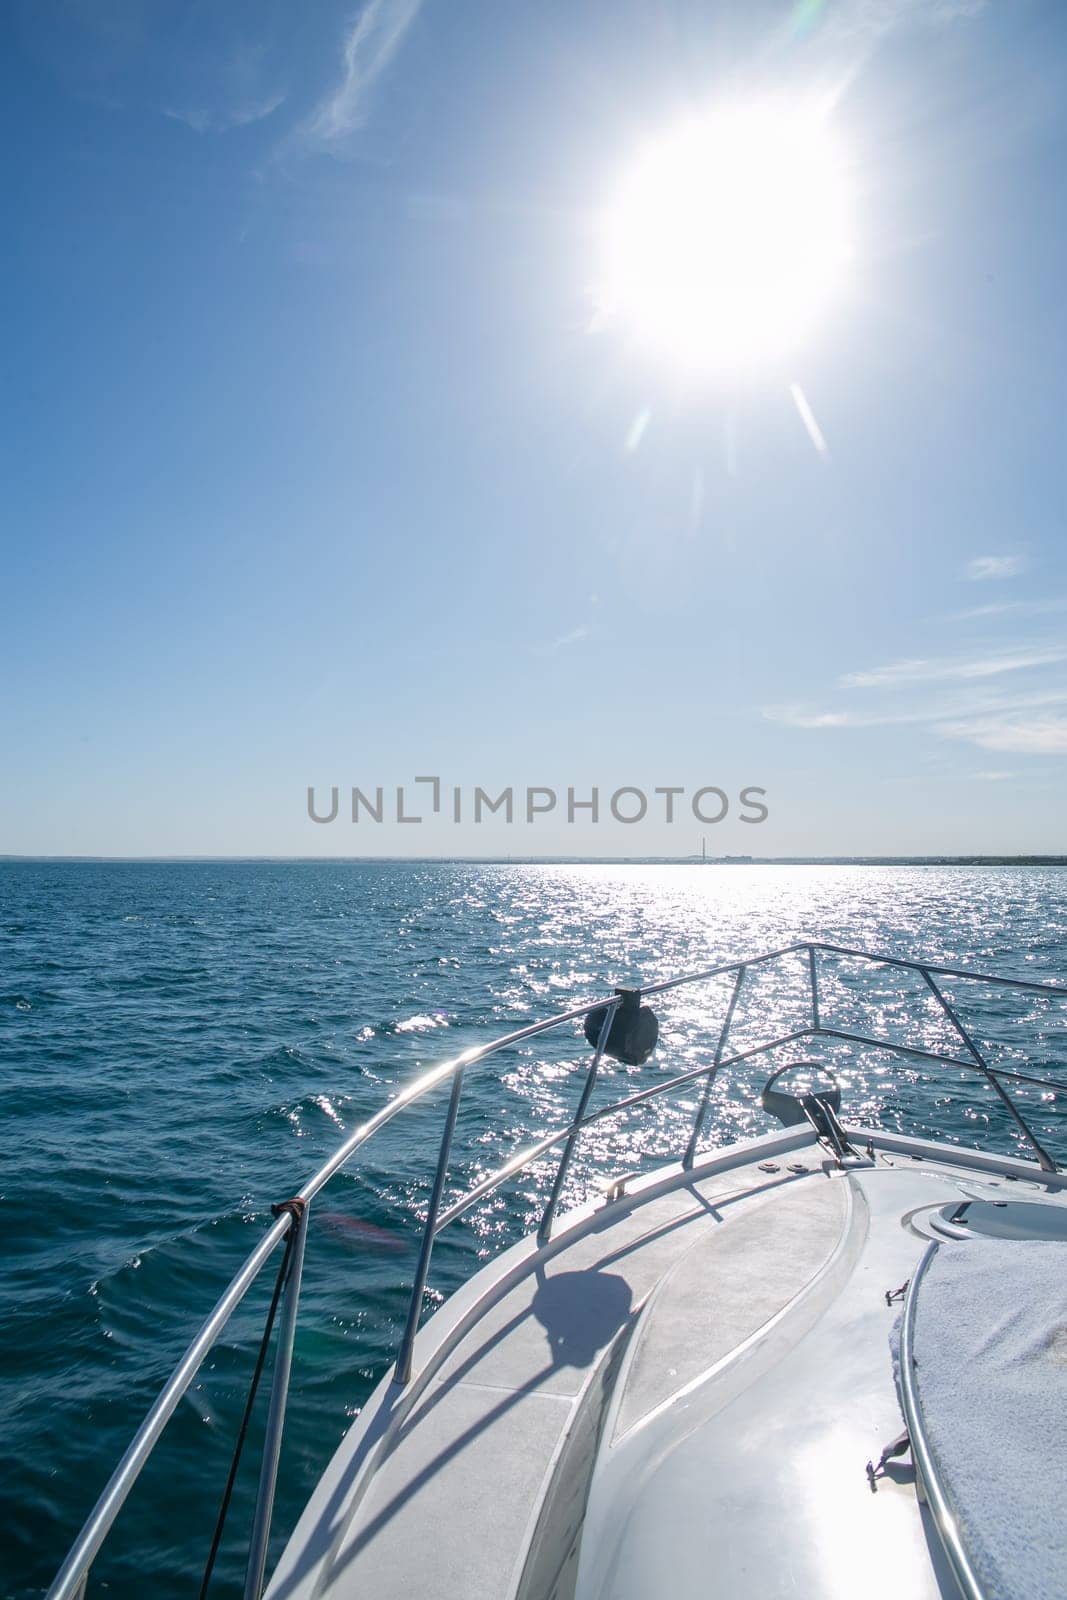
(810, 421)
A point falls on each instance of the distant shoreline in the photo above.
(556, 861)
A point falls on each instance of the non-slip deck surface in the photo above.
(726, 1286)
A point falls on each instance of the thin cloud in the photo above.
(1043, 736)
(1002, 608)
(890, 13)
(373, 40)
(957, 713)
(575, 636)
(974, 613)
(201, 119)
(865, 18)
(798, 717)
(898, 674)
(983, 568)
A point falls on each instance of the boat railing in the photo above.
(945, 1518)
(291, 1217)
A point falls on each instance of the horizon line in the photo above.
(991, 858)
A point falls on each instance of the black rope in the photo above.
(295, 1209)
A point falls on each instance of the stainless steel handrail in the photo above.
(70, 1581)
(925, 1464)
(565, 1159)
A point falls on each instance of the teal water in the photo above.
(181, 1044)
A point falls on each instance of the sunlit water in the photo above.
(181, 1044)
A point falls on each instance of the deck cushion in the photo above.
(990, 1347)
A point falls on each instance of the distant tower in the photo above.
(703, 848)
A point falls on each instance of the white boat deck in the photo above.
(636, 1340)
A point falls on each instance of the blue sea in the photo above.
(181, 1044)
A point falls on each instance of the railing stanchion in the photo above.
(814, 971)
(1044, 1160)
(545, 1230)
(279, 1393)
(407, 1344)
(702, 1109)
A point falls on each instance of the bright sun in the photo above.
(726, 242)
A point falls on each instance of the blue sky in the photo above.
(319, 468)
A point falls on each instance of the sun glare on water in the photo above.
(724, 245)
